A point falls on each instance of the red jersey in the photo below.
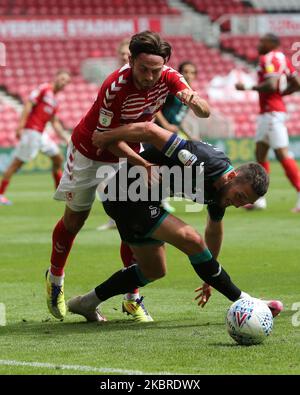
(119, 102)
(45, 106)
(274, 64)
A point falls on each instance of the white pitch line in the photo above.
(80, 368)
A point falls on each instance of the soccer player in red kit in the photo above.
(276, 77)
(38, 110)
(134, 93)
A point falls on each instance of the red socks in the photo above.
(292, 171)
(57, 176)
(3, 186)
(266, 166)
(62, 241)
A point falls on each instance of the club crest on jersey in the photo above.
(154, 211)
(105, 117)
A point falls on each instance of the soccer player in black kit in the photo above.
(145, 226)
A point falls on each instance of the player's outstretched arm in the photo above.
(192, 99)
(293, 86)
(23, 118)
(145, 132)
(59, 129)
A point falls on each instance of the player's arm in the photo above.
(213, 238)
(23, 118)
(59, 129)
(293, 86)
(269, 85)
(122, 150)
(191, 99)
(146, 132)
(164, 123)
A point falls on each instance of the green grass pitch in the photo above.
(261, 251)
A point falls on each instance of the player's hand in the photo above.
(204, 293)
(187, 96)
(172, 128)
(153, 175)
(101, 139)
(240, 86)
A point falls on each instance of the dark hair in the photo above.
(183, 64)
(254, 174)
(150, 43)
(275, 40)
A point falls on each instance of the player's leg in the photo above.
(262, 147)
(291, 170)
(51, 149)
(26, 150)
(150, 267)
(57, 162)
(188, 240)
(129, 259)
(261, 154)
(77, 188)
(63, 237)
(9, 172)
(280, 141)
(133, 303)
(174, 231)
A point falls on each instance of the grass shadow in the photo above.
(54, 327)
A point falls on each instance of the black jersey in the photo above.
(215, 163)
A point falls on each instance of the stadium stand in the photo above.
(245, 46)
(277, 5)
(88, 7)
(219, 8)
(8, 124)
(26, 68)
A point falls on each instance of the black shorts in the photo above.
(136, 221)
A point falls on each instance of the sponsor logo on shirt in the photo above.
(186, 157)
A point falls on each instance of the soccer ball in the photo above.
(249, 321)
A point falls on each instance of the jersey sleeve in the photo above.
(109, 104)
(215, 212)
(175, 81)
(270, 66)
(37, 94)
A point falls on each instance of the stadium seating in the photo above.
(8, 124)
(277, 5)
(218, 8)
(245, 46)
(88, 7)
(26, 68)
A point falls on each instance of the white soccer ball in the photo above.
(249, 321)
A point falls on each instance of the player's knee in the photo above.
(74, 222)
(153, 274)
(161, 273)
(192, 240)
